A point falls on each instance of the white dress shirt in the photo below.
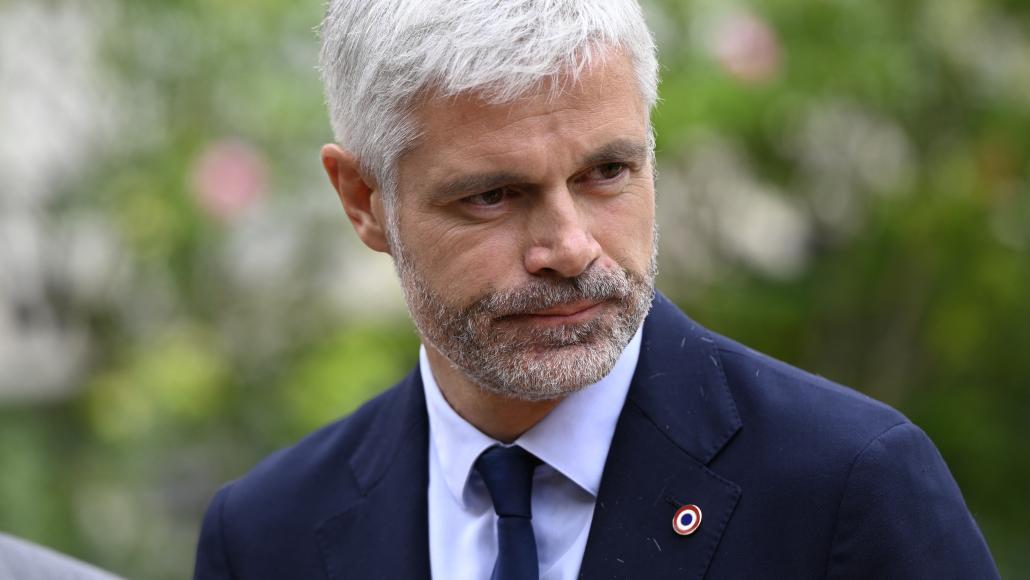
(572, 441)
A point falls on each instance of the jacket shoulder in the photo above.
(311, 478)
(878, 498)
(774, 394)
(264, 524)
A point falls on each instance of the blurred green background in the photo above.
(843, 185)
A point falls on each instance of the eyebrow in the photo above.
(618, 150)
(628, 150)
(475, 183)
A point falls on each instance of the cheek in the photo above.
(460, 261)
(625, 229)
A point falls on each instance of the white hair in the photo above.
(379, 57)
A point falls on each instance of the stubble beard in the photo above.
(485, 342)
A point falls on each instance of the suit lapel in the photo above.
(385, 533)
(678, 415)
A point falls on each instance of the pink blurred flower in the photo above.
(228, 177)
(747, 48)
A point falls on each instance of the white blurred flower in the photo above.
(290, 264)
(845, 153)
(713, 209)
(58, 109)
(983, 40)
(52, 275)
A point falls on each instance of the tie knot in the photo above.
(508, 475)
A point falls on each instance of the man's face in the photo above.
(525, 233)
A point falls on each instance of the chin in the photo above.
(548, 373)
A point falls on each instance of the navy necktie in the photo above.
(508, 474)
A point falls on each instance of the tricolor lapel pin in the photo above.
(687, 520)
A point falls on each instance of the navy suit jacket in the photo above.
(796, 477)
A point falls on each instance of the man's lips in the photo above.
(566, 309)
(561, 314)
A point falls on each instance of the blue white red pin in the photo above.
(687, 520)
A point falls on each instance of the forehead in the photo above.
(546, 129)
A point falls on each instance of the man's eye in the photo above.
(487, 198)
(611, 170)
(606, 171)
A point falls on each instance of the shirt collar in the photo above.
(573, 438)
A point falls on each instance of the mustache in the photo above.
(596, 284)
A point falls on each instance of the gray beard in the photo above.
(532, 364)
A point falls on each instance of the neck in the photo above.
(502, 418)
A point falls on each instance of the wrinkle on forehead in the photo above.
(605, 104)
(610, 65)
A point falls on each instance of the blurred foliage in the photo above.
(230, 312)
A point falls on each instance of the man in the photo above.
(564, 421)
(21, 560)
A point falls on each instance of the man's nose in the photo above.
(561, 243)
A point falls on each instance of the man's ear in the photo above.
(362, 202)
